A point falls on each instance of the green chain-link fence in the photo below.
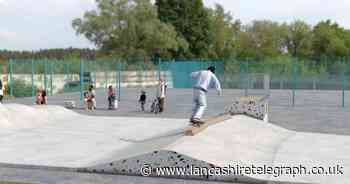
(292, 76)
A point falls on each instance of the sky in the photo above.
(39, 24)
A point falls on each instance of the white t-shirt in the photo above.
(205, 79)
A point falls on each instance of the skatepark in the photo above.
(174, 92)
(120, 142)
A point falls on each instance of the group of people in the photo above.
(90, 98)
(41, 98)
(158, 103)
(203, 80)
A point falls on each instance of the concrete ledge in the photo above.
(192, 131)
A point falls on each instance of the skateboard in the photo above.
(199, 126)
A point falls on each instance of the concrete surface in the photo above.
(62, 138)
(315, 111)
(245, 141)
(52, 135)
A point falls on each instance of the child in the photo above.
(155, 107)
(142, 100)
(111, 98)
(90, 98)
(44, 97)
(41, 97)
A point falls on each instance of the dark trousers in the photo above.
(1, 97)
(111, 101)
(143, 105)
(161, 104)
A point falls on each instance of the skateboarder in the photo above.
(203, 80)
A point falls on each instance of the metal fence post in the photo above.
(159, 68)
(45, 75)
(81, 80)
(343, 83)
(95, 71)
(116, 74)
(70, 74)
(33, 73)
(244, 79)
(241, 75)
(247, 78)
(119, 79)
(295, 73)
(106, 74)
(65, 77)
(11, 77)
(51, 77)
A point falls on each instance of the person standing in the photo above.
(203, 80)
(161, 94)
(111, 98)
(142, 100)
(44, 94)
(1, 91)
(90, 98)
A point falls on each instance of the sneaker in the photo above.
(196, 121)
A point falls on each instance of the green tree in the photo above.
(191, 20)
(128, 29)
(330, 40)
(298, 38)
(261, 39)
(224, 33)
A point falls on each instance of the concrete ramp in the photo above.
(52, 136)
(244, 141)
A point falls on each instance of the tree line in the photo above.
(134, 29)
(188, 29)
(60, 54)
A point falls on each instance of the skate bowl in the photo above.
(53, 137)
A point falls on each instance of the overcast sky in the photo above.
(36, 24)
